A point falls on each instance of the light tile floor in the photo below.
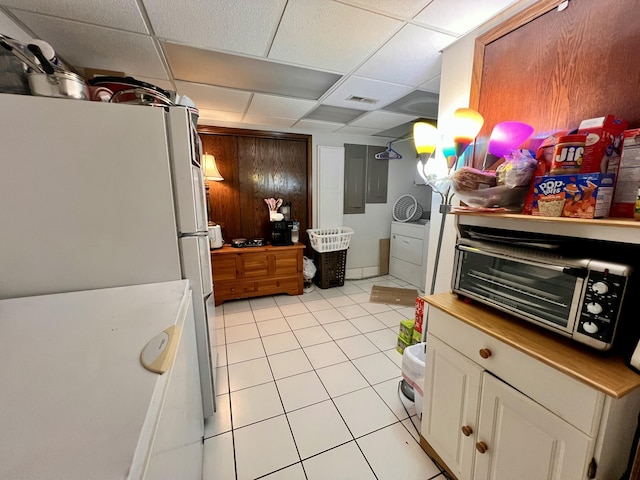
(308, 390)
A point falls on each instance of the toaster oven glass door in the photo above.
(543, 293)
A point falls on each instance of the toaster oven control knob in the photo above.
(600, 288)
(594, 308)
(590, 327)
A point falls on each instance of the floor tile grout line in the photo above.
(284, 412)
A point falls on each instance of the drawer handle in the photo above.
(481, 447)
(485, 352)
(466, 430)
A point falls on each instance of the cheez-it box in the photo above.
(580, 195)
(603, 144)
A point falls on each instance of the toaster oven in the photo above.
(580, 298)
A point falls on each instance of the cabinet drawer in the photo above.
(279, 285)
(231, 289)
(286, 263)
(253, 265)
(570, 399)
(224, 268)
(415, 230)
(405, 248)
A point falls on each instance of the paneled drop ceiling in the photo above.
(368, 67)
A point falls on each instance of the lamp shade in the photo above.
(466, 126)
(210, 168)
(424, 137)
(508, 136)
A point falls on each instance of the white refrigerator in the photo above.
(96, 195)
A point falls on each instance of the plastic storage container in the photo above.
(414, 360)
(330, 239)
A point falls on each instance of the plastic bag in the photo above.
(517, 169)
(308, 268)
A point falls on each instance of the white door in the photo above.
(330, 186)
(450, 404)
(524, 440)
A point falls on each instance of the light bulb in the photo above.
(424, 137)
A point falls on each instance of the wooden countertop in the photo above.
(225, 249)
(605, 372)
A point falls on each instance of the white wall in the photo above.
(455, 89)
(363, 258)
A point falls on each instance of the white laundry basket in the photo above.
(414, 360)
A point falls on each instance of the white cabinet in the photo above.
(491, 411)
(408, 252)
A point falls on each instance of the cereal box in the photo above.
(580, 195)
(401, 345)
(416, 337)
(628, 176)
(602, 145)
(419, 314)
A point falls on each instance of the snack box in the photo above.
(406, 330)
(580, 195)
(628, 176)
(419, 314)
(603, 144)
(401, 345)
(416, 337)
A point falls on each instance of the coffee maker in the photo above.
(281, 232)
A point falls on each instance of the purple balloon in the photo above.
(508, 136)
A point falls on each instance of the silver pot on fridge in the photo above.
(215, 236)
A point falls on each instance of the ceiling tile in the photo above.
(84, 45)
(329, 35)
(328, 113)
(383, 92)
(410, 58)
(358, 130)
(399, 132)
(279, 106)
(401, 8)
(417, 103)
(232, 25)
(215, 98)
(306, 125)
(244, 73)
(432, 85)
(460, 16)
(268, 120)
(381, 120)
(121, 14)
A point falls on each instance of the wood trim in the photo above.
(506, 27)
(435, 457)
(213, 130)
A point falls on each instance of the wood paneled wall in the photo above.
(257, 165)
(553, 68)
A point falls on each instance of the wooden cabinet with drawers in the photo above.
(256, 271)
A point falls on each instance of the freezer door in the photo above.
(80, 209)
(187, 178)
(196, 267)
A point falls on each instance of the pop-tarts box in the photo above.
(603, 144)
(587, 195)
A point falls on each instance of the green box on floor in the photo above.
(401, 345)
(406, 330)
(416, 337)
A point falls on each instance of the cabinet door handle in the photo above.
(466, 430)
(485, 352)
(481, 447)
